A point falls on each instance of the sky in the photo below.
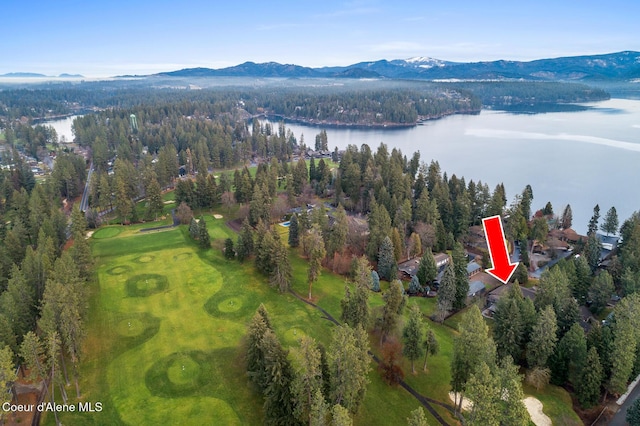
(115, 37)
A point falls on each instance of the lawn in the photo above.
(166, 326)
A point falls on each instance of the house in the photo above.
(608, 244)
(441, 259)
(587, 319)
(476, 288)
(409, 268)
(473, 269)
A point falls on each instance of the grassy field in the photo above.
(165, 332)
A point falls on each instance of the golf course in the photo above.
(164, 341)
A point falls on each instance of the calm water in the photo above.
(580, 158)
(62, 127)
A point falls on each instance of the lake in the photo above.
(581, 158)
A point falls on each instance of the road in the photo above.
(619, 418)
(84, 203)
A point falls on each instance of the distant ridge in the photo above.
(22, 74)
(37, 75)
(611, 66)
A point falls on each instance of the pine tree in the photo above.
(278, 397)
(417, 418)
(394, 301)
(567, 218)
(204, 240)
(317, 252)
(414, 285)
(590, 380)
(244, 246)
(471, 348)
(428, 270)
(543, 339)
(446, 292)
(340, 416)
(155, 205)
(229, 252)
(431, 346)
(600, 291)
(319, 410)
(386, 260)
(593, 222)
(281, 273)
(375, 281)
(458, 258)
(294, 236)
(484, 391)
(7, 375)
(255, 355)
(412, 336)
(307, 379)
(349, 365)
(513, 410)
(355, 306)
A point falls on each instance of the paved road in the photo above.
(84, 203)
(619, 418)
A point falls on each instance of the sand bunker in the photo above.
(534, 407)
(217, 216)
(466, 403)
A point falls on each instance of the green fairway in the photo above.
(165, 334)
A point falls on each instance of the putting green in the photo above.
(120, 270)
(130, 327)
(145, 285)
(232, 304)
(108, 232)
(147, 258)
(183, 371)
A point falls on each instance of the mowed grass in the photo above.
(165, 334)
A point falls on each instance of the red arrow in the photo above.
(502, 266)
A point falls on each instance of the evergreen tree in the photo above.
(394, 302)
(600, 291)
(543, 339)
(256, 367)
(317, 252)
(590, 380)
(278, 397)
(338, 234)
(483, 390)
(610, 224)
(458, 258)
(78, 222)
(417, 418)
(194, 231)
(294, 236)
(319, 410)
(592, 251)
(471, 348)
(204, 240)
(355, 307)
(7, 375)
(625, 341)
(431, 346)
(446, 292)
(340, 416)
(593, 222)
(386, 260)
(509, 327)
(412, 337)
(307, 379)
(568, 359)
(244, 245)
(513, 410)
(348, 366)
(155, 205)
(414, 285)
(379, 229)
(567, 218)
(398, 246)
(281, 273)
(633, 414)
(375, 281)
(427, 270)
(229, 252)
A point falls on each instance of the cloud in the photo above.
(510, 134)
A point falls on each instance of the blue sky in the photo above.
(117, 37)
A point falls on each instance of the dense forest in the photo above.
(408, 209)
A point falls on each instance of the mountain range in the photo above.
(613, 66)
